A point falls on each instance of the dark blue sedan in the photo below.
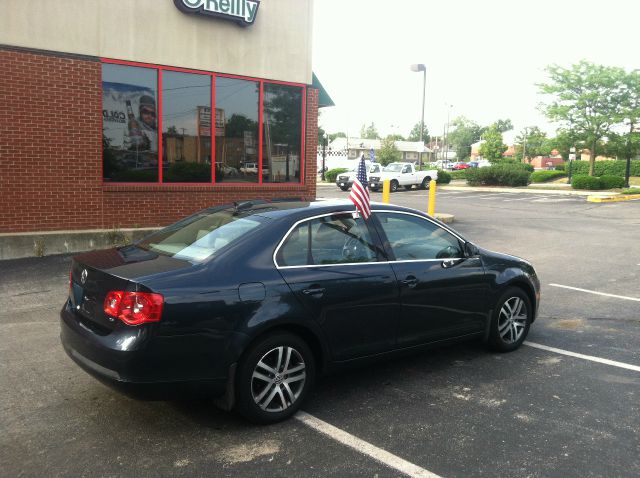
(249, 302)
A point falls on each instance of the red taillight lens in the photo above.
(134, 308)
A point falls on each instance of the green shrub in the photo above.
(188, 172)
(605, 168)
(612, 182)
(499, 175)
(630, 191)
(542, 176)
(586, 182)
(444, 177)
(514, 163)
(332, 174)
(560, 167)
(460, 174)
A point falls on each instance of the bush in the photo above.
(461, 174)
(605, 168)
(560, 167)
(499, 175)
(630, 191)
(332, 174)
(542, 176)
(611, 182)
(586, 182)
(515, 164)
(188, 172)
(443, 177)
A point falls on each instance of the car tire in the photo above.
(511, 320)
(425, 183)
(394, 185)
(270, 386)
(344, 188)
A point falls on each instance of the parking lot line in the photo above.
(596, 293)
(366, 448)
(591, 358)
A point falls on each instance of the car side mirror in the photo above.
(470, 249)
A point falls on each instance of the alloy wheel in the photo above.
(278, 379)
(512, 320)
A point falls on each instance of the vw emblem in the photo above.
(83, 276)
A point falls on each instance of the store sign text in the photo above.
(241, 11)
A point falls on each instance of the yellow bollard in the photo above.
(432, 198)
(386, 190)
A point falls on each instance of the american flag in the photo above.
(360, 190)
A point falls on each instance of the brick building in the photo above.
(121, 114)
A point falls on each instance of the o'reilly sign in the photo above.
(241, 11)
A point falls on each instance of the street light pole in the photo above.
(324, 153)
(446, 138)
(421, 67)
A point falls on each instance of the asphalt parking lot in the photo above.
(455, 412)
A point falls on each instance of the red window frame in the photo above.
(160, 69)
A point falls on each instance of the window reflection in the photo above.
(129, 130)
(186, 127)
(236, 130)
(282, 133)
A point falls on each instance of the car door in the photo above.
(442, 292)
(337, 271)
(407, 176)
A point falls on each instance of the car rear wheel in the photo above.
(511, 320)
(425, 183)
(394, 185)
(274, 377)
(344, 188)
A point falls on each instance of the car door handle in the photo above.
(314, 291)
(410, 281)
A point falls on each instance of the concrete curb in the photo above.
(517, 190)
(446, 218)
(612, 198)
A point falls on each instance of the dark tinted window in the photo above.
(282, 138)
(129, 126)
(328, 240)
(186, 127)
(414, 238)
(236, 130)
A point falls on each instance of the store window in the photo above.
(129, 128)
(282, 133)
(186, 127)
(237, 120)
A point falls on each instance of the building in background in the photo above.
(121, 114)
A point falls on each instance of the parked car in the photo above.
(345, 180)
(402, 174)
(250, 301)
(460, 166)
(473, 164)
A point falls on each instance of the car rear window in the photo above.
(200, 236)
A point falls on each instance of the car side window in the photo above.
(406, 169)
(337, 239)
(414, 238)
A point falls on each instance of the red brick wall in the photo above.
(51, 155)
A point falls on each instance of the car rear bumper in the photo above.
(133, 362)
(344, 184)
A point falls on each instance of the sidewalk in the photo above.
(564, 189)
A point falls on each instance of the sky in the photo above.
(483, 58)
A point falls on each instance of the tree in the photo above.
(396, 137)
(532, 142)
(388, 152)
(587, 99)
(464, 134)
(415, 134)
(503, 125)
(339, 134)
(493, 146)
(369, 132)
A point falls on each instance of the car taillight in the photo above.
(134, 308)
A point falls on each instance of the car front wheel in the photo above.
(511, 320)
(274, 378)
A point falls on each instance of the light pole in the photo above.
(324, 152)
(420, 67)
(446, 138)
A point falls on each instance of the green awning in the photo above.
(323, 97)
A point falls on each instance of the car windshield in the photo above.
(393, 168)
(200, 236)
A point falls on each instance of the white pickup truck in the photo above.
(345, 180)
(402, 174)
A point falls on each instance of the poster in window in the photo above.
(129, 123)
